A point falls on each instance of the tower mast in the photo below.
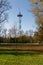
(20, 16)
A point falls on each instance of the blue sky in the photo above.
(28, 19)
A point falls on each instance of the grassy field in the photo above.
(21, 59)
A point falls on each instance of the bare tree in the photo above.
(9, 33)
(12, 32)
(4, 7)
(4, 32)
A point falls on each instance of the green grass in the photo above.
(21, 59)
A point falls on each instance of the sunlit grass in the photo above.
(21, 59)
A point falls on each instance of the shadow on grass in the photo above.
(16, 53)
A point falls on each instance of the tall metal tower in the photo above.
(20, 16)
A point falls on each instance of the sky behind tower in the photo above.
(28, 19)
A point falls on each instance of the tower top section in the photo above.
(19, 15)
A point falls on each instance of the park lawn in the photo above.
(21, 59)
